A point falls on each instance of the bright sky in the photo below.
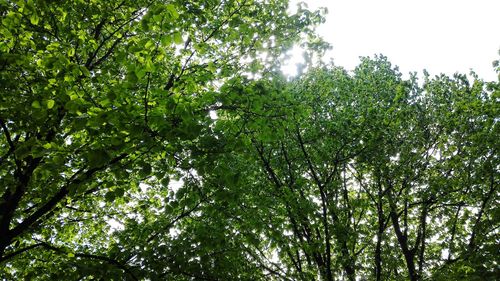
(438, 35)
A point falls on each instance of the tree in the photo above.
(370, 175)
(153, 140)
(100, 96)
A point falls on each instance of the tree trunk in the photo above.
(408, 253)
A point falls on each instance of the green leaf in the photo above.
(149, 66)
(178, 38)
(149, 45)
(97, 158)
(140, 72)
(166, 40)
(165, 181)
(110, 196)
(172, 11)
(34, 19)
(50, 104)
(145, 170)
(36, 104)
(85, 71)
(119, 192)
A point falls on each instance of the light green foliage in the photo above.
(371, 175)
(102, 103)
(112, 168)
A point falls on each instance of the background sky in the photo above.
(442, 36)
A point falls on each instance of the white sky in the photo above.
(438, 35)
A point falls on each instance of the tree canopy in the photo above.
(157, 140)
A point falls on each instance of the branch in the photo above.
(94, 257)
(18, 252)
(88, 64)
(7, 134)
(324, 205)
(108, 52)
(308, 159)
(272, 175)
(146, 100)
(484, 204)
(184, 213)
(62, 193)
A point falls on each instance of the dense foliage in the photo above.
(371, 175)
(156, 140)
